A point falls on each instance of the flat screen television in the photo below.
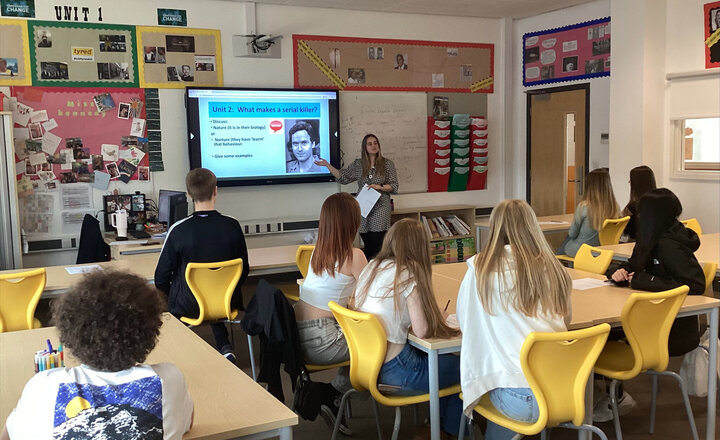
(263, 136)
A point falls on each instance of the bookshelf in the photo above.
(454, 246)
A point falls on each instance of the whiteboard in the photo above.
(399, 120)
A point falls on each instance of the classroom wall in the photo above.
(296, 201)
(599, 90)
(652, 39)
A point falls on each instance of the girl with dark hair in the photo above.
(377, 172)
(642, 180)
(663, 259)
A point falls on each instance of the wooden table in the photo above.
(228, 403)
(263, 261)
(548, 224)
(709, 250)
(590, 307)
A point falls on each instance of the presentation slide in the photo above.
(247, 133)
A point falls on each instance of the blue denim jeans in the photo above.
(516, 403)
(409, 371)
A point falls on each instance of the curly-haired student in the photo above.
(110, 321)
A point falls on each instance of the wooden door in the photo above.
(550, 165)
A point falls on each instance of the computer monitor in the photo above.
(172, 206)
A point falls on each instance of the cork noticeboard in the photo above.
(14, 53)
(82, 54)
(392, 65)
(175, 58)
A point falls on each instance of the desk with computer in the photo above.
(127, 214)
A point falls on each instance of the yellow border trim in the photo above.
(141, 30)
(27, 81)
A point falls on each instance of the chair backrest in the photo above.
(709, 269)
(646, 320)
(213, 285)
(367, 343)
(694, 224)
(302, 258)
(592, 259)
(557, 367)
(612, 230)
(19, 296)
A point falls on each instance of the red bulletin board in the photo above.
(345, 63)
(75, 115)
(711, 24)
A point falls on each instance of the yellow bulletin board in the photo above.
(14, 53)
(322, 61)
(175, 58)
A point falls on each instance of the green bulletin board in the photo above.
(82, 54)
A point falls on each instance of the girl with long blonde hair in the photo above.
(513, 287)
(396, 286)
(598, 204)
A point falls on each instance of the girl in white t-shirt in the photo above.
(396, 287)
(334, 268)
(513, 287)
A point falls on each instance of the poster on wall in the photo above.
(577, 51)
(711, 23)
(175, 58)
(80, 54)
(17, 8)
(14, 53)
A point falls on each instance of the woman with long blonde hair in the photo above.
(396, 286)
(513, 287)
(334, 268)
(598, 204)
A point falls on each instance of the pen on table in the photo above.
(446, 306)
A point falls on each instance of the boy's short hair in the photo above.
(110, 319)
(201, 184)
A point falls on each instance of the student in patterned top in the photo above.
(378, 173)
(110, 321)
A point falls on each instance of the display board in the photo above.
(175, 58)
(572, 52)
(711, 25)
(82, 55)
(322, 61)
(14, 57)
(398, 120)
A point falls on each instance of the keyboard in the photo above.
(138, 234)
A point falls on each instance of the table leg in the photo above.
(434, 395)
(712, 375)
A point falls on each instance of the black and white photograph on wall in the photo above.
(466, 73)
(180, 43)
(547, 72)
(205, 63)
(401, 61)
(124, 110)
(113, 71)
(594, 66)
(531, 55)
(379, 53)
(150, 54)
(601, 47)
(570, 64)
(186, 73)
(441, 104)
(172, 74)
(112, 43)
(44, 38)
(334, 57)
(452, 52)
(53, 70)
(371, 53)
(160, 55)
(356, 75)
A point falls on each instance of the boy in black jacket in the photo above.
(205, 236)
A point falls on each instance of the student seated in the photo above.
(111, 322)
(642, 180)
(334, 268)
(513, 287)
(396, 287)
(598, 204)
(204, 237)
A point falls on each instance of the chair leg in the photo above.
(376, 410)
(544, 434)
(252, 357)
(653, 402)
(585, 427)
(416, 414)
(396, 426)
(614, 404)
(686, 399)
(461, 431)
(343, 404)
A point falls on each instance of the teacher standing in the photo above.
(378, 173)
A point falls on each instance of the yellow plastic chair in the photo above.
(557, 367)
(367, 342)
(598, 263)
(646, 320)
(709, 269)
(694, 224)
(302, 259)
(213, 285)
(19, 296)
(612, 229)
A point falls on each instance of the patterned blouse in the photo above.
(378, 219)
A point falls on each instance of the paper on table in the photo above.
(367, 197)
(588, 283)
(82, 269)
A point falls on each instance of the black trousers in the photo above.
(373, 242)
